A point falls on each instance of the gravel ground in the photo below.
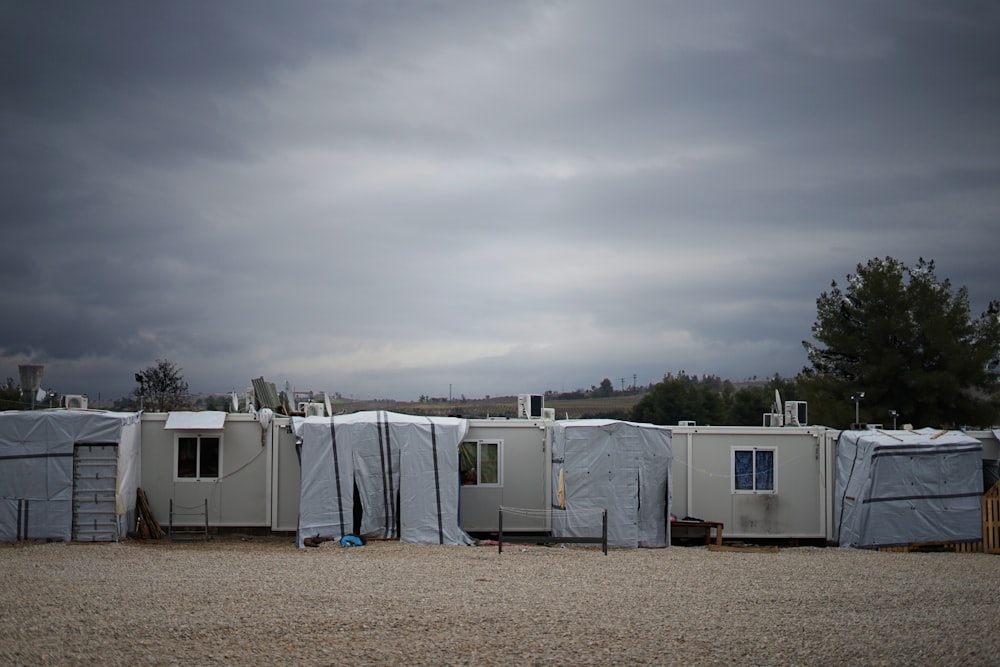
(260, 601)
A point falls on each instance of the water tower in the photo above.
(31, 382)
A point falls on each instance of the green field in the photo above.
(618, 406)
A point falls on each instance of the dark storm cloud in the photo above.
(380, 198)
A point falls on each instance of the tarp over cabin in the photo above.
(621, 466)
(903, 487)
(404, 470)
(68, 474)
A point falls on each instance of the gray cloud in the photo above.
(384, 200)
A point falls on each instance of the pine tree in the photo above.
(906, 339)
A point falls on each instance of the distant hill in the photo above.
(615, 406)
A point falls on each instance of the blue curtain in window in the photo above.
(743, 464)
(764, 475)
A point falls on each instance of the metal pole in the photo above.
(604, 531)
(500, 532)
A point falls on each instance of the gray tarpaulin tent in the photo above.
(620, 466)
(68, 474)
(902, 487)
(396, 461)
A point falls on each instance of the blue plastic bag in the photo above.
(351, 541)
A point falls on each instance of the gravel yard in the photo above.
(259, 601)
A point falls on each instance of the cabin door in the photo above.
(95, 474)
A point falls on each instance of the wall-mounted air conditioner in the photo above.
(774, 419)
(530, 406)
(314, 410)
(687, 422)
(75, 402)
(796, 413)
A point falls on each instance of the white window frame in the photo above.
(479, 462)
(755, 490)
(197, 435)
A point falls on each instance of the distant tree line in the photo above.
(710, 400)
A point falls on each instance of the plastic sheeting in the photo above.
(36, 469)
(902, 487)
(396, 461)
(623, 467)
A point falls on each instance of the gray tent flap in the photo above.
(376, 458)
(396, 461)
(622, 467)
(429, 489)
(326, 502)
(902, 487)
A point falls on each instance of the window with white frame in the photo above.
(197, 456)
(754, 470)
(480, 462)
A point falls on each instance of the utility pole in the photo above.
(623, 385)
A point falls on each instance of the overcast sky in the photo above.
(394, 199)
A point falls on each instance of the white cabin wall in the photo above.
(525, 477)
(286, 480)
(240, 497)
(702, 478)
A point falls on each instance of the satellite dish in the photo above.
(326, 404)
(777, 403)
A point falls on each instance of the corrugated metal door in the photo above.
(95, 471)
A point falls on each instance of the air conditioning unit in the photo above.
(796, 413)
(314, 410)
(530, 406)
(687, 422)
(75, 402)
(774, 419)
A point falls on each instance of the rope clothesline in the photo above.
(546, 512)
(191, 507)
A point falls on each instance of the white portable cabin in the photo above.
(505, 463)
(68, 474)
(226, 459)
(621, 467)
(404, 471)
(760, 482)
(901, 487)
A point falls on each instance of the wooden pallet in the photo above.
(991, 520)
(913, 547)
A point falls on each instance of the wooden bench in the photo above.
(707, 526)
